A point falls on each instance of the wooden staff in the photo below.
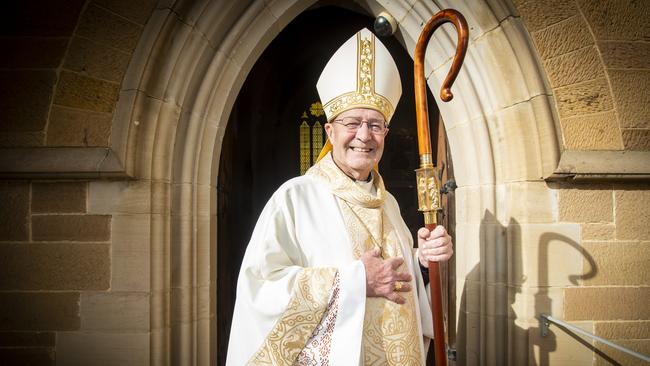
(427, 184)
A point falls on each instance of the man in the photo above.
(330, 276)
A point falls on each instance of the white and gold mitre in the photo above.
(360, 74)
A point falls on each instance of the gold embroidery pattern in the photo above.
(317, 349)
(365, 95)
(390, 331)
(308, 303)
(365, 65)
(352, 100)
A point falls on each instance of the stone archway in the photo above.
(176, 100)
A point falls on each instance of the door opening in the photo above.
(265, 139)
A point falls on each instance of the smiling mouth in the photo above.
(360, 149)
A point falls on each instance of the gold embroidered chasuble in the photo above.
(294, 255)
(390, 331)
(308, 303)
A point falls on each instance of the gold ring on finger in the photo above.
(398, 286)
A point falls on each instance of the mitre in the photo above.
(360, 74)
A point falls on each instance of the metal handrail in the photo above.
(546, 321)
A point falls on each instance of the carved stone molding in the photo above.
(602, 166)
(61, 162)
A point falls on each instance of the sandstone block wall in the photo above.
(614, 297)
(595, 54)
(74, 273)
(51, 252)
(597, 58)
(65, 62)
(59, 82)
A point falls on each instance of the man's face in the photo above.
(356, 152)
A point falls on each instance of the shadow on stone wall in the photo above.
(490, 329)
(543, 301)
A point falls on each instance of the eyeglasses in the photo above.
(353, 124)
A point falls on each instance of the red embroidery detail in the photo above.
(317, 349)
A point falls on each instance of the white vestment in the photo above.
(299, 276)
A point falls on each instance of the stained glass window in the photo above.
(305, 147)
(316, 140)
(311, 135)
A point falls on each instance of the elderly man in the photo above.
(330, 275)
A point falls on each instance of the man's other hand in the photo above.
(434, 246)
(382, 277)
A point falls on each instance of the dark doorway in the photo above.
(261, 145)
